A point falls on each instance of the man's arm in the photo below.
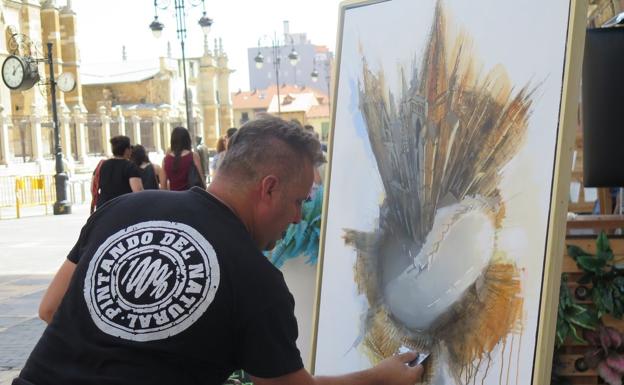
(56, 291)
(391, 371)
(136, 184)
(162, 177)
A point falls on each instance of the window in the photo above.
(244, 117)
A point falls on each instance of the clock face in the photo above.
(13, 72)
(66, 82)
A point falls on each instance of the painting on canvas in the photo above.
(443, 157)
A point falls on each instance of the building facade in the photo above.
(305, 104)
(141, 100)
(311, 57)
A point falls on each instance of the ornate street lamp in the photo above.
(276, 47)
(20, 71)
(293, 57)
(180, 13)
(314, 75)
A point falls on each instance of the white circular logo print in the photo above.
(151, 281)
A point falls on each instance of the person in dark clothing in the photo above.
(219, 155)
(152, 175)
(204, 155)
(179, 292)
(117, 175)
(179, 160)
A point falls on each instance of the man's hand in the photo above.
(396, 371)
(391, 371)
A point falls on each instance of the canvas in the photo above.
(444, 166)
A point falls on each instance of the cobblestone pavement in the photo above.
(20, 326)
(31, 250)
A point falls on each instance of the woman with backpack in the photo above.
(182, 166)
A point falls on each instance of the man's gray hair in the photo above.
(270, 144)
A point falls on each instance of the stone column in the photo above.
(226, 118)
(51, 33)
(156, 134)
(35, 134)
(106, 131)
(206, 96)
(70, 53)
(81, 133)
(5, 147)
(136, 128)
(166, 128)
(66, 137)
(5, 93)
(122, 121)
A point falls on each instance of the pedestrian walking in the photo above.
(152, 175)
(204, 156)
(182, 166)
(115, 176)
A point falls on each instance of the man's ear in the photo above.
(268, 186)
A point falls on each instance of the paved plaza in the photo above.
(31, 250)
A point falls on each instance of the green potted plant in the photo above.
(571, 315)
(606, 277)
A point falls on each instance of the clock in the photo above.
(19, 73)
(66, 82)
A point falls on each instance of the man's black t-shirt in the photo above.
(169, 288)
(115, 177)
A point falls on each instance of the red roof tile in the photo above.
(260, 99)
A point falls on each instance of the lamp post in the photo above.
(276, 53)
(180, 13)
(22, 75)
(315, 75)
(62, 205)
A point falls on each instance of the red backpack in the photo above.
(95, 185)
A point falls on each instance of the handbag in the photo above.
(194, 177)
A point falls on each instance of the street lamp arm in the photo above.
(162, 4)
(180, 14)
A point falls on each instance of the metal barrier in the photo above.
(36, 190)
(7, 191)
(39, 190)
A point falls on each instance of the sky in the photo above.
(104, 27)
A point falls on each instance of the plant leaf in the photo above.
(607, 299)
(586, 320)
(616, 362)
(605, 255)
(575, 251)
(602, 242)
(562, 332)
(590, 263)
(616, 338)
(610, 376)
(574, 333)
(605, 340)
(585, 279)
(619, 283)
(593, 357)
(592, 337)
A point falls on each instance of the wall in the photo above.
(153, 91)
